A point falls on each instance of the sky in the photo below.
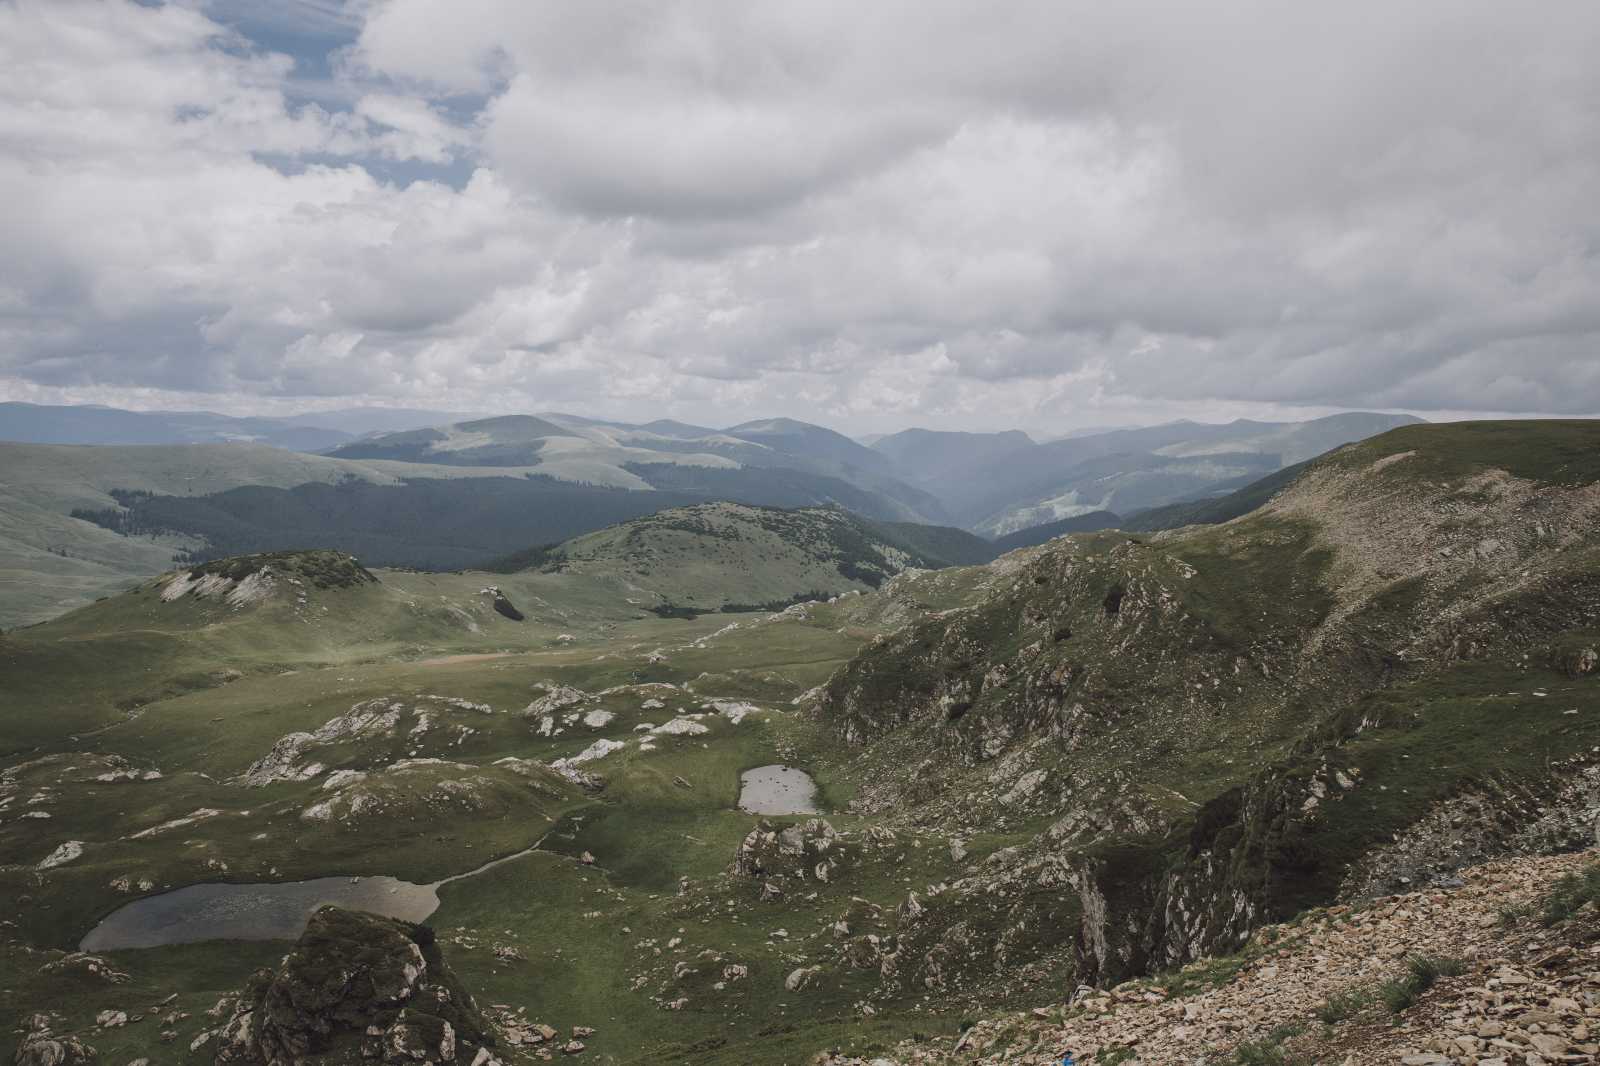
(911, 212)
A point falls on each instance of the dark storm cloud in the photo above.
(897, 211)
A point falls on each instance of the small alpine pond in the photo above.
(263, 911)
(777, 789)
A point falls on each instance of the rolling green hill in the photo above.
(726, 556)
(51, 561)
(78, 522)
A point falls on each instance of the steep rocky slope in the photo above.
(1385, 673)
(1490, 970)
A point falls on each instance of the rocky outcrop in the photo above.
(381, 981)
(302, 756)
(812, 850)
(42, 1047)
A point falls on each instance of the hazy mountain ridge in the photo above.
(1124, 471)
(27, 423)
(566, 475)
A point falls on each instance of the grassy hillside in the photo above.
(1237, 722)
(80, 522)
(431, 523)
(728, 557)
(51, 561)
(1089, 760)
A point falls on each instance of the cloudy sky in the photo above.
(969, 215)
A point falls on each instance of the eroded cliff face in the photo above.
(1382, 676)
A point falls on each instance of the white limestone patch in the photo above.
(681, 727)
(598, 750)
(199, 815)
(63, 854)
(735, 711)
(253, 589)
(368, 720)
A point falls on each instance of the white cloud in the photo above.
(893, 212)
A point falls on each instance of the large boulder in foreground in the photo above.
(356, 986)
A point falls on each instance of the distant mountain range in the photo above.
(76, 522)
(999, 483)
(30, 423)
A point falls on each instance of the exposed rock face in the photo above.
(63, 854)
(247, 580)
(81, 964)
(1562, 815)
(501, 603)
(41, 1047)
(353, 973)
(556, 698)
(811, 850)
(302, 756)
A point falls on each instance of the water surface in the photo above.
(266, 911)
(777, 789)
(252, 912)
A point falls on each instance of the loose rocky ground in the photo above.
(1326, 988)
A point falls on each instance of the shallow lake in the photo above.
(252, 912)
(777, 790)
(277, 911)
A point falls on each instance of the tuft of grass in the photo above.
(1202, 975)
(1422, 973)
(1512, 913)
(1569, 894)
(1342, 1005)
(1268, 1050)
(1114, 1056)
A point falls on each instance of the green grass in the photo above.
(1267, 1050)
(197, 974)
(1570, 894)
(1180, 718)
(1344, 1005)
(1422, 972)
(1552, 451)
